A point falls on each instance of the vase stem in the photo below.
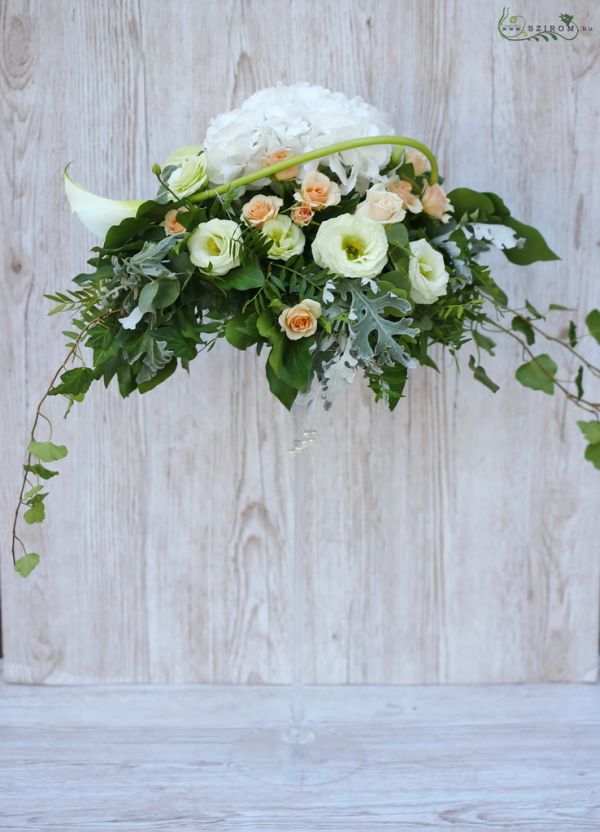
(304, 436)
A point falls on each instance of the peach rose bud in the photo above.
(260, 209)
(318, 191)
(302, 214)
(171, 224)
(404, 191)
(281, 156)
(300, 321)
(435, 203)
(418, 160)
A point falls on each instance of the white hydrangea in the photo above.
(300, 118)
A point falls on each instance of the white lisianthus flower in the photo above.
(182, 154)
(351, 246)
(288, 239)
(190, 177)
(299, 118)
(382, 205)
(426, 272)
(300, 321)
(216, 243)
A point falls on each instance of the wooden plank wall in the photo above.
(449, 542)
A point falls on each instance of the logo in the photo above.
(515, 27)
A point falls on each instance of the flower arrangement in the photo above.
(303, 227)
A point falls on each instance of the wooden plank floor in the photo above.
(159, 758)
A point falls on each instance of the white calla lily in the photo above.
(98, 213)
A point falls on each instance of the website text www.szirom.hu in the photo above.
(513, 28)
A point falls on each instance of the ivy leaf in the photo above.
(572, 334)
(158, 378)
(74, 382)
(535, 247)
(241, 331)
(248, 276)
(591, 431)
(26, 564)
(592, 322)
(538, 374)
(467, 201)
(32, 492)
(483, 341)
(280, 389)
(522, 325)
(592, 454)
(47, 451)
(36, 513)
(291, 361)
(579, 382)
(481, 376)
(41, 471)
(176, 342)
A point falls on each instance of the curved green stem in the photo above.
(271, 170)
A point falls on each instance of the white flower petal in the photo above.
(98, 213)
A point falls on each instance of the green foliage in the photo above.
(26, 564)
(40, 471)
(481, 376)
(591, 432)
(592, 322)
(538, 374)
(488, 207)
(74, 382)
(248, 276)
(47, 451)
(522, 325)
(158, 294)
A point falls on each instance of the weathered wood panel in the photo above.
(448, 542)
(153, 758)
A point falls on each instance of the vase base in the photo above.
(284, 757)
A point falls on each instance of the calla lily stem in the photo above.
(271, 170)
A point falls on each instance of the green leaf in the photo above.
(483, 341)
(467, 201)
(591, 431)
(47, 451)
(522, 325)
(248, 276)
(535, 247)
(44, 473)
(26, 564)
(159, 377)
(557, 307)
(158, 294)
(592, 322)
(32, 492)
(74, 382)
(397, 234)
(592, 454)
(35, 514)
(538, 374)
(291, 361)
(579, 382)
(280, 389)
(481, 376)
(176, 342)
(572, 334)
(241, 331)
